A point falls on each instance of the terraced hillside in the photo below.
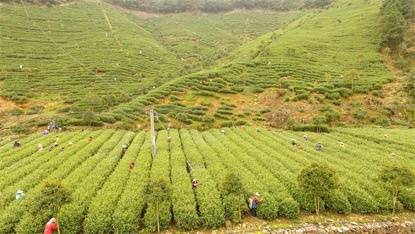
(323, 68)
(71, 62)
(199, 40)
(86, 54)
(108, 195)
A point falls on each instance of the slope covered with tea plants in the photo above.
(83, 56)
(323, 68)
(200, 40)
(108, 194)
(73, 61)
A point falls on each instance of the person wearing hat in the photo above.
(51, 226)
(254, 202)
(319, 146)
(20, 194)
(195, 183)
(39, 147)
(132, 165)
(293, 142)
(124, 148)
(16, 144)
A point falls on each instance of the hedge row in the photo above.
(160, 170)
(37, 166)
(252, 182)
(183, 197)
(127, 214)
(12, 214)
(72, 215)
(99, 218)
(207, 194)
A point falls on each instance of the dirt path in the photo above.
(395, 90)
(6, 105)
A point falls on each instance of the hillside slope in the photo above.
(322, 68)
(68, 54)
(199, 40)
(314, 67)
(69, 62)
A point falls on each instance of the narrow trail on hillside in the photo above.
(99, 5)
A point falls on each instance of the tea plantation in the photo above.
(79, 54)
(95, 64)
(324, 57)
(108, 195)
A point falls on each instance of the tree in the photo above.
(317, 181)
(407, 8)
(233, 197)
(395, 178)
(89, 118)
(352, 76)
(158, 192)
(393, 24)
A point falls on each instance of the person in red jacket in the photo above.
(51, 227)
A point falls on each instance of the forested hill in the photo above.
(212, 6)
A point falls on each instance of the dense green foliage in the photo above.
(43, 207)
(318, 181)
(158, 193)
(291, 59)
(396, 178)
(85, 56)
(215, 6)
(392, 23)
(318, 57)
(100, 180)
(233, 197)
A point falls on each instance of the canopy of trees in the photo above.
(393, 15)
(213, 6)
(210, 6)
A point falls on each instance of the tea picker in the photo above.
(20, 194)
(319, 146)
(51, 226)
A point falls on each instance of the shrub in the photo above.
(332, 116)
(299, 97)
(20, 129)
(360, 200)
(107, 118)
(19, 99)
(90, 118)
(360, 114)
(240, 122)
(338, 202)
(183, 118)
(226, 124)
(268, 208)
(37, 109)
(407, 198)
(17, 111)
(233, 197)
(288, 208)
(332, 95)
(311, 128)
